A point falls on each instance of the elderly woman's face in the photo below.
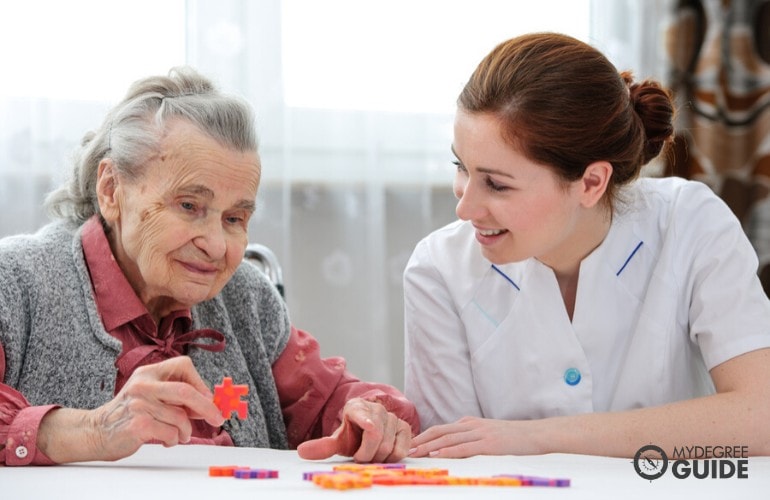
(180, 230)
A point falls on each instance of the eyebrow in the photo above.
(483, 170)
(198, 190)
(205, 192)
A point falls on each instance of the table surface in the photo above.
(181, 472)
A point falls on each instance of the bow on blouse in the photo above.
(173, 338)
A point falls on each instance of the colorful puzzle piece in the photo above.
(222, 471)
(353, 476)
(246, 473)
(537, 481)
(228, 398)
(241, 472)
(342, 480)
(365, 475)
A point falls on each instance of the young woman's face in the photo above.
(520, 209)
(180, 230)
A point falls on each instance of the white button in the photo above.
(21, 451)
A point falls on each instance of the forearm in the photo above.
(66, 436)
(738, 415)
(727, 419)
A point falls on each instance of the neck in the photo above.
(588, 235)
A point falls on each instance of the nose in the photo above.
(470, 205)
(211, 238)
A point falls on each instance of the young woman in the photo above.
(576, 307)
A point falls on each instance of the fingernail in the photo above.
(433, 453)
(411, 451)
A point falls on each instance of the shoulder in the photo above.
(675, 195)
(677, 207)
(39, 251)
(38, 269)
(689, 228)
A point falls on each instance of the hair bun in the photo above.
(654, 106)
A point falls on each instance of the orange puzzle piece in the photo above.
(228, 398)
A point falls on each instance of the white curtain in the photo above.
(356, 159)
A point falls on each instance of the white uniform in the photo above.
(670, 293)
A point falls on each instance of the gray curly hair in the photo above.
(132, 131)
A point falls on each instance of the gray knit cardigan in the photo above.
(57, 351)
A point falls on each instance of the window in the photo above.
(403, 55)
(87, 49)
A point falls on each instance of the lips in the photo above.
(490, 232)
(489, 236)
(200, 268)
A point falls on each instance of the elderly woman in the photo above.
(116, 320)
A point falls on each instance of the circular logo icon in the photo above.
(650, 462)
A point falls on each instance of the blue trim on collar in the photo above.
(629, 258)
(506, 277)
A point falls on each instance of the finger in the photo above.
(362, 434)
(362, 414)
(433, 433)
(318, 449)
(196, 405)
(179, 394)
(435, 438)
(402, 443)
(167, 435)
(179, 369)
(388, 439)
(460, 450)
(174, 423)
(455, 445)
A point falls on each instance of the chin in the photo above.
(191, 297)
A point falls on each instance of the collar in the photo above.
(116, 300)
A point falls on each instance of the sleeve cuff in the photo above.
(21, 442)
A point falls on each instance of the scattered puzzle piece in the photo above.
(228, 398)
(352, 476)
(538, 481)
(247, 473)
(349, 476)
(222, 471)
(342, 480)
(242, 472)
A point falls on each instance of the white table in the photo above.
(181, 473)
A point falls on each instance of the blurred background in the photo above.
(354, 102)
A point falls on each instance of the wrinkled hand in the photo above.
(368, 433)
(471, 436)
(156, 404)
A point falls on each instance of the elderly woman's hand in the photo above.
(369, 433)
(156, 405)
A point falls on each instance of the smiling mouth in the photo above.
(491, 232)
(199, 269)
